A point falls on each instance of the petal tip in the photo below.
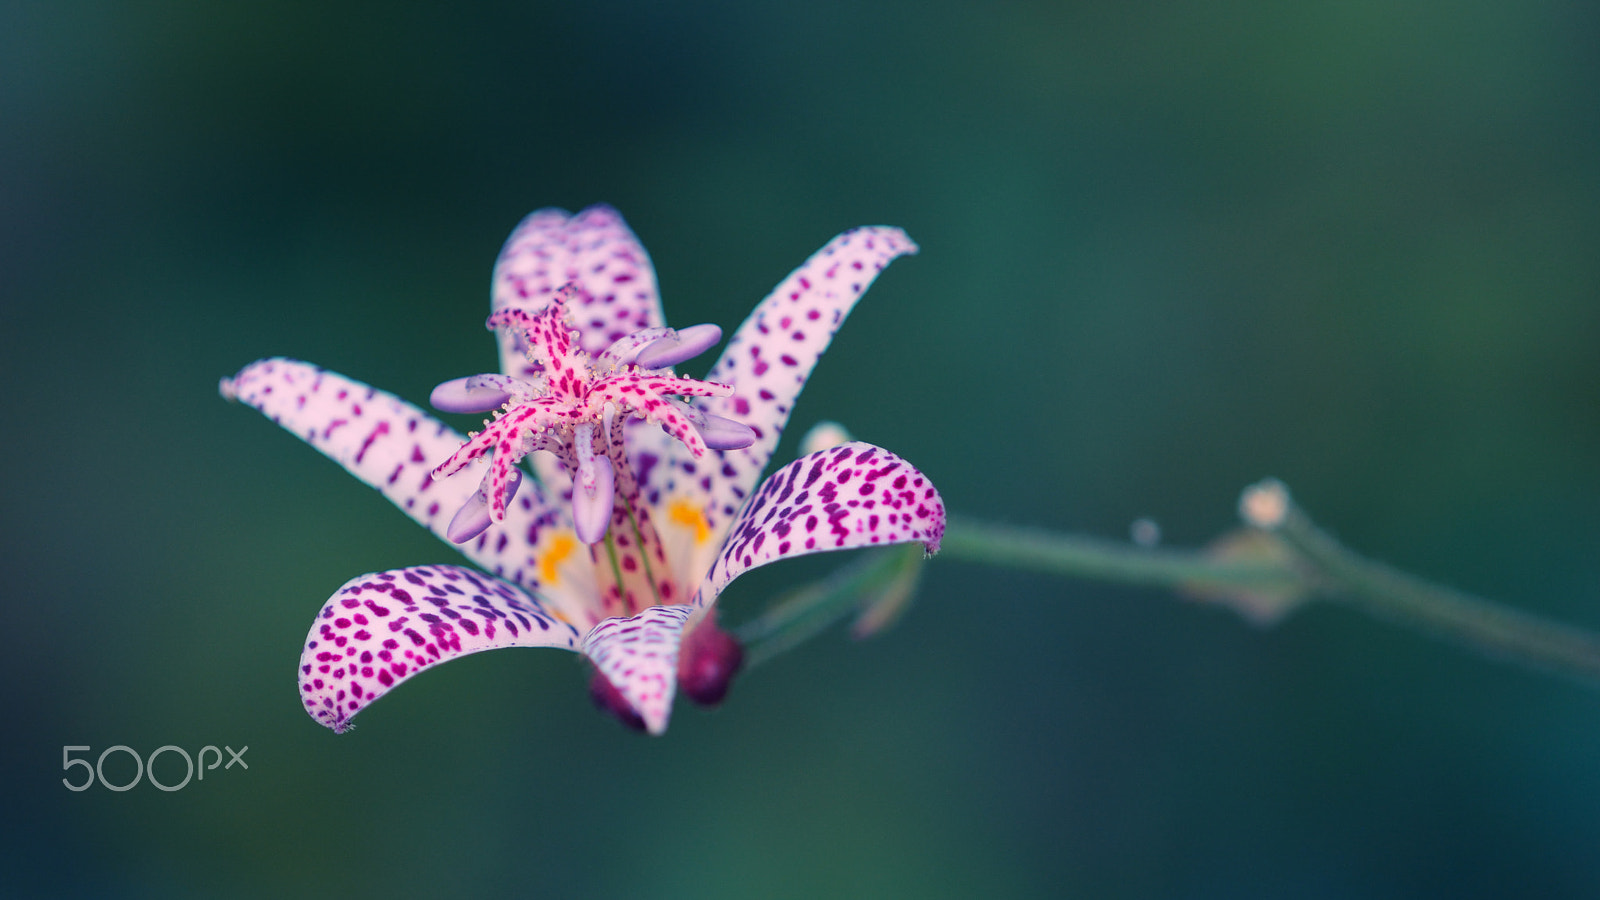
(608, 699)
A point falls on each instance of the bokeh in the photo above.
(1167, 249)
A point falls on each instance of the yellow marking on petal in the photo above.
(561, 547)
(682, 512)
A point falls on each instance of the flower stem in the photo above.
(1305, 563)
(1102, 560)
(1263, 572)
(1491, 628)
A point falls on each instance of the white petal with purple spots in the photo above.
(617, 293)
(681, 519)
(854, 495)
(381, 629)
(768, 361)
(381, 439)
(639, 656)
(393, 446)
(594, 249)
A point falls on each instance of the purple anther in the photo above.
(624, 350)
(687, 343)
(472, 519)
(591, 507)
(457, 396)
(725, 434)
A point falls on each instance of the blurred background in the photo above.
(1166, 251)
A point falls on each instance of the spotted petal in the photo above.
(392, 446)
(381, 629)
(853, 495)
(639, 656)
(595, 250)
(768, 361)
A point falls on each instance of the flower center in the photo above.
(576, 408)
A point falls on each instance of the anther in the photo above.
(468, 395)
(686, 343)
(725, 434)
(472, 519)
(594, 488)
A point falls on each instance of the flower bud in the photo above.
(707, 662)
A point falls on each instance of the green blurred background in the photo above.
(1166, 250)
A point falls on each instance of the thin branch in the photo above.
(1102, 560)
(1491, 628)
(1263, 572)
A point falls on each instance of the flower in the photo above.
(621, 545)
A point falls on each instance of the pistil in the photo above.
(560, 409)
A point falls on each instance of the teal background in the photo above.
(1167, 249)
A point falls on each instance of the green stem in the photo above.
(1262, 572)
(1491, 628)
(1103, 560)
(1315, 565)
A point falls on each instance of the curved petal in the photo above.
(392, 446)
(381, 439)
(768, 361)
(596, 250)
(381, 629)
(639, 656)
(854, 495)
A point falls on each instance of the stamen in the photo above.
(472, 519)
(468, 395)
(685, 343)
(717, 432)
(560, 410)
(725, 434)
(591, 507)
(593, 488)
(624, 350)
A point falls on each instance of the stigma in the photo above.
(576, 409)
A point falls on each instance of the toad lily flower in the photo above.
(645, 504)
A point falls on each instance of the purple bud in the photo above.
(591, 508)
(726, 434)
(608, 699)
(707, 662)
(457, 397)
(472, 519)
(687, 343)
